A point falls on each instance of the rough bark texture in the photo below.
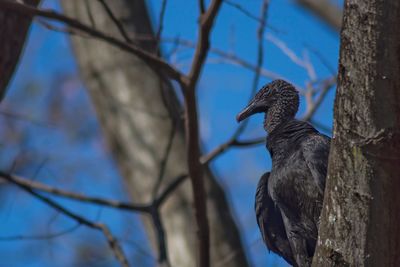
(137, 110)
(360, 219)
(13, 32)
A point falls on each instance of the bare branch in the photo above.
(312, 107)
(195, 168)
(326, 10)
(151, 209)
(26, 118)
(164, 160)
(161, 22)
(170, 188)
(233, 141)
(228, 56)
(116, 21)
(112, 242)
(89, 14)
(202, 6)
(259, 62)
(203, 43)
(302, 62)
(40, 237)
(242, 10)
(162, 244)
(34, 185)
(153, 61)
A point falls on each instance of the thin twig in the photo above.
(162, 243)
(72, 195)
(112, 242)
(164, 160)
(144, 208)
(323, 60)
(26, 118)
(259, 62)
(170, 188)
(326, 85)
(161, 22)
(233, 141)
(302, 62)
(116, 21)
(40, 237)
(228, 56)
(151, 209)
(89, 14)
(243, 10)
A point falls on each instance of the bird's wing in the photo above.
(316, 152)
(270, 222)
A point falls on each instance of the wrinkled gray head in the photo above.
(278, 99)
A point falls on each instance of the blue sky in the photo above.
(58, 150)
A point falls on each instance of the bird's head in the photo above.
(279, 96)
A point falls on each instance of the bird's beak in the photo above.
(251, 109)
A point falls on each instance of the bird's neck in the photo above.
(276, 115)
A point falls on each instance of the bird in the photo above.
(289, 198)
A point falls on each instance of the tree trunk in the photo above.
(13, 31)
(360, 219)
(137, 111)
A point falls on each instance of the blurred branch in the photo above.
(162, 244)
(302, 62)
(195, 168)
(314, 105)
(163, 163)
(89, 14)
(161, 22)
(26, 118)
(203, 43)
(258, 64)
(233, 141)
(231, 57)
(115, 20)
(112, 242)
(242, 10)
(153, 61)
(170, 188)
(325, 10)
(40, 237)
(152, 209)
(143, 208)
(202, 6)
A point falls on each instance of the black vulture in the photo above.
(289, 198)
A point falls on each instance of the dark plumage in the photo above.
(289, 199)
(270, 222)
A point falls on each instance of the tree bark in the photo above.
(13, 31)
(361, 214)
(137, 110)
